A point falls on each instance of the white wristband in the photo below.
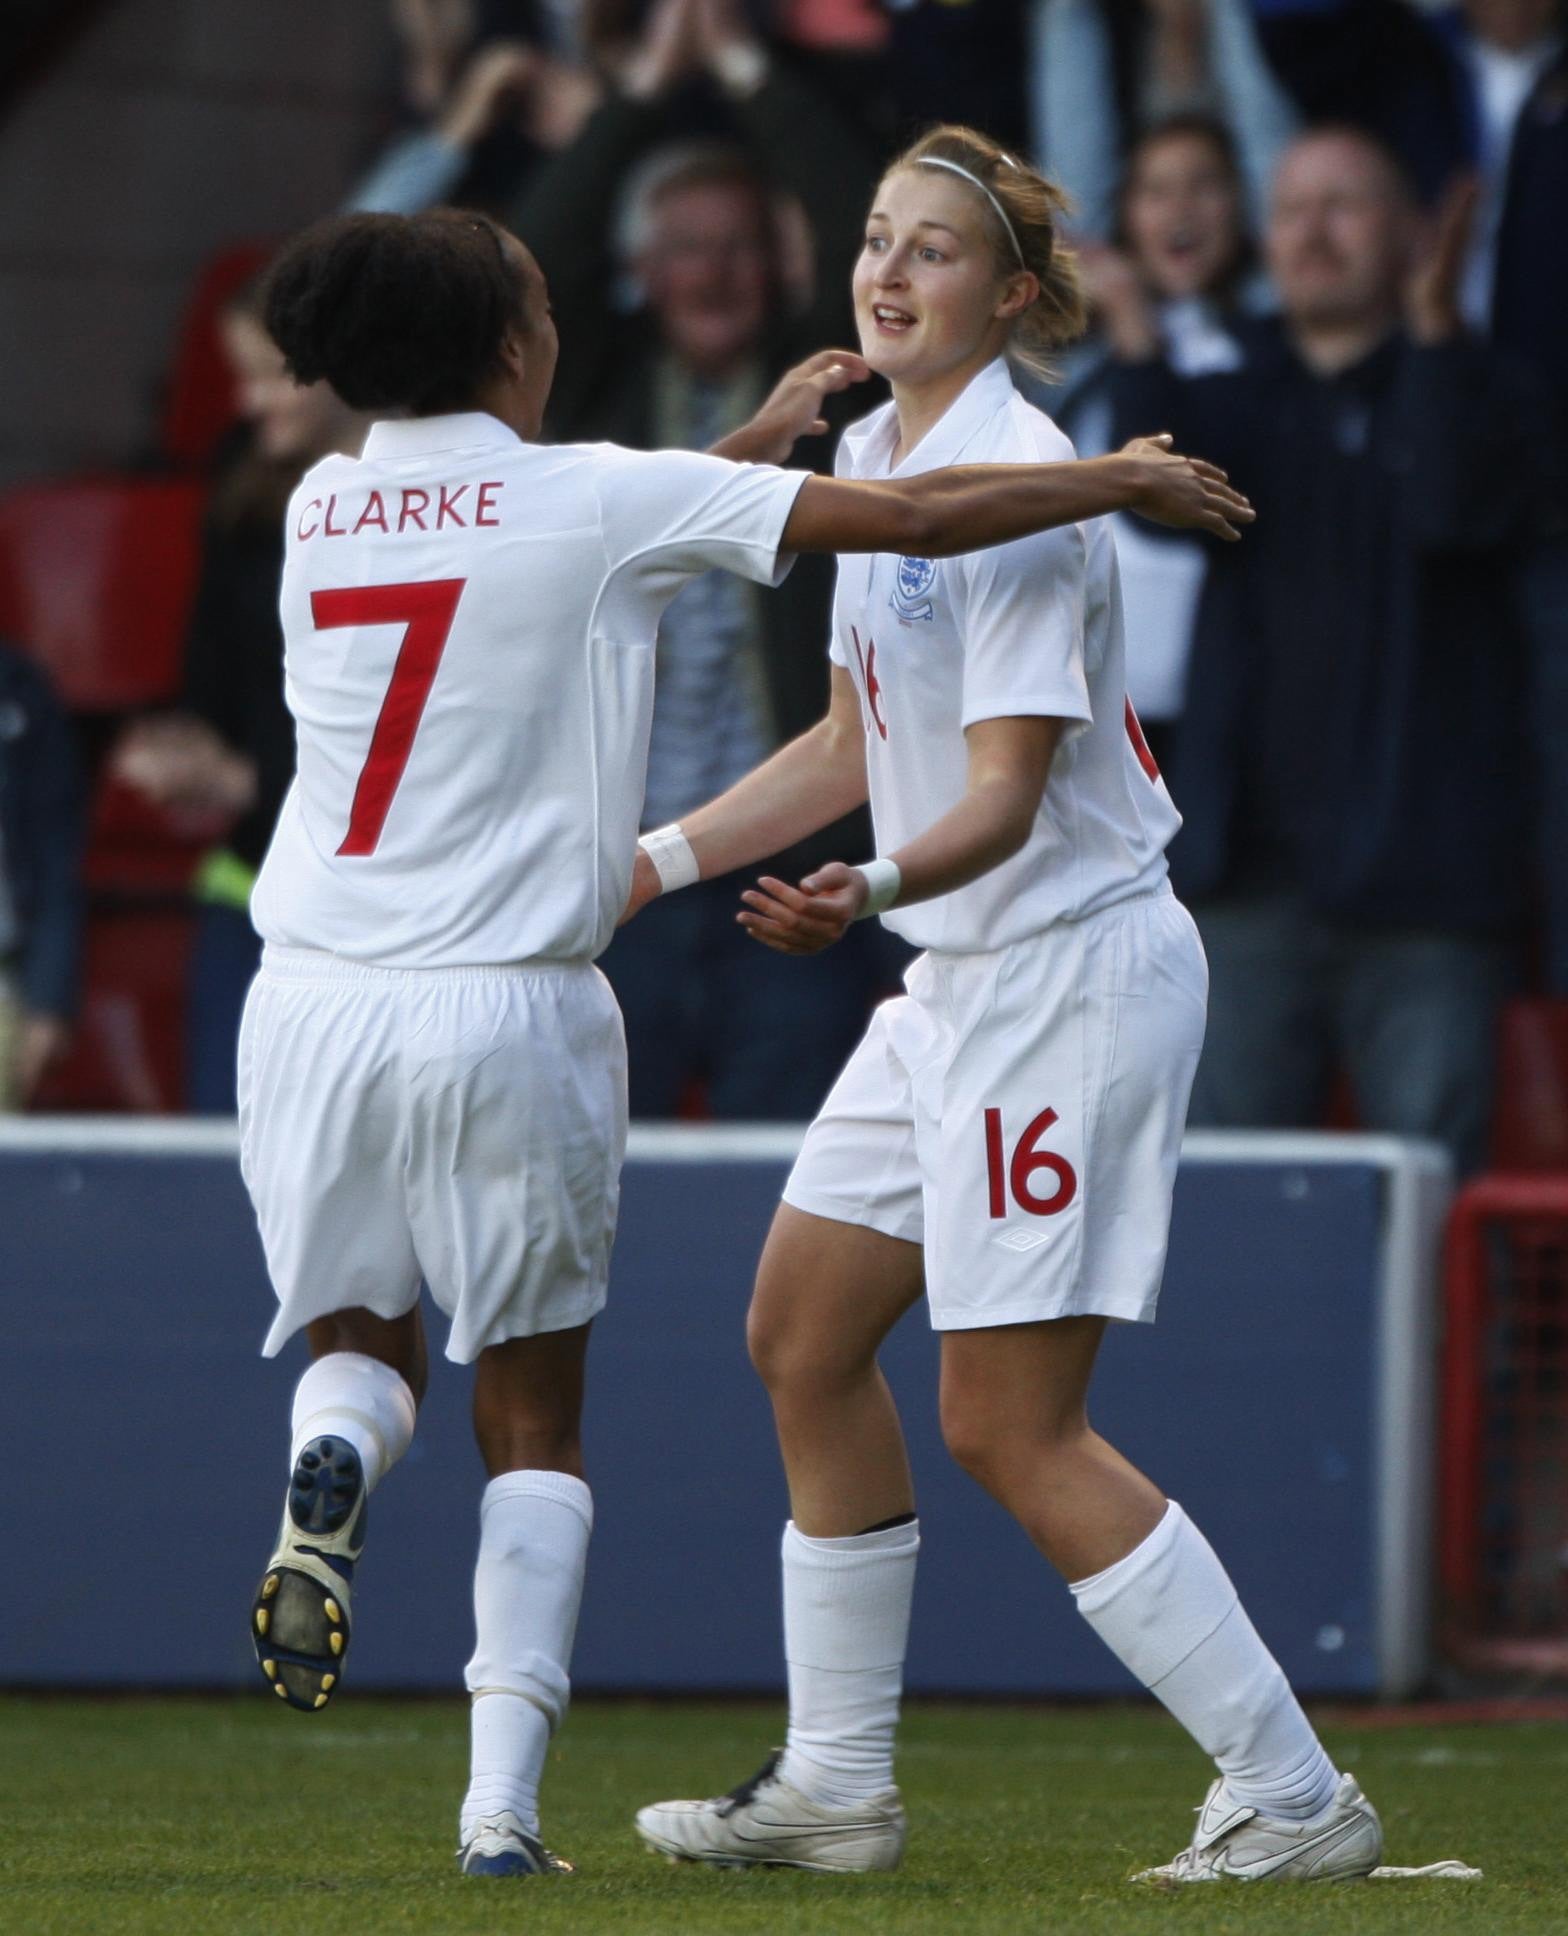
(672, 857)
(884, 880)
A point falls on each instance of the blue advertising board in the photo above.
(145, 1441)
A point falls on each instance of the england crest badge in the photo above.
(912, 584)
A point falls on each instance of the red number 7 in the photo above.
(426, 613)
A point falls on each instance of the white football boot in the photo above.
(501, 1846)
(1237, 1843)
(768, 1824)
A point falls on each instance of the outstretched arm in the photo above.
(942, 513)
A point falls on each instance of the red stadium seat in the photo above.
(1502, 1506)
(128, 1052)
(136, 849)
(1530, 1128)
(199, 403)
(96, 581)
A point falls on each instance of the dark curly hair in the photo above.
(403, 312)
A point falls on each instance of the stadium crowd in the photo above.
(1324, 244)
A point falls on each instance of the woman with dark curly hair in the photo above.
(432, 1077)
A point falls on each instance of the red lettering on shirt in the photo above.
(486, 503)
(328, 528)
(1140, 745)
(448, 506)
(867, 656)
(299, 531)
(411, 514)
(373, 513)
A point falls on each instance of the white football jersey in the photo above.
(1029, 628)
(469, 625)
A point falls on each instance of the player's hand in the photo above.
(646, 887)
(793, 409)
(806, 919)
(1184, 492)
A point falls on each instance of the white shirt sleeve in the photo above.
(1023, 629)
(670, 514)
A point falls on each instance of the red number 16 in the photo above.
(1027, 1158)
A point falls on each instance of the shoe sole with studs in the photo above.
(299, 1622)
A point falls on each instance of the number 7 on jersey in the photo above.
(425, 612)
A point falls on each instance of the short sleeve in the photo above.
(1023, 629)
(672, 514)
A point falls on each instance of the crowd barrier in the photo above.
(1285, 1397)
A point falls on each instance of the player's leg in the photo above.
(1078, 1204)
(320, 1146)
(535, 1519)
(827, 1295)
(352, 1420)
(1014, 1413)
(842, 1264)
(517, 1128)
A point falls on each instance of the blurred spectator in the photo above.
(1349, 759)
(1377, 65)
(675, 321)
(960, 60)
(1102, 71)
(230, 750)
(42, 836)
(1515, 57)
(1184, 250)
(508, 87)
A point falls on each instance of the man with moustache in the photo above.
(1350, 759)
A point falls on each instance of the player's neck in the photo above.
(510, 402)
(921, 405)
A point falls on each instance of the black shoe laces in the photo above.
(747, 1791)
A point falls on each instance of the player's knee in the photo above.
(973, 1441)
(792, 1362)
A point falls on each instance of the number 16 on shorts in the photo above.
(1015, 1174)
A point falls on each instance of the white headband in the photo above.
(936, 161)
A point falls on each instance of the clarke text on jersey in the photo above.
(411, 509)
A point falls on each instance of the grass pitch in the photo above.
(232, 1817)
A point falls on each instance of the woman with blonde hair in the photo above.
(1006, 1136)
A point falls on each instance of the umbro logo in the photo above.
(1022, 1240)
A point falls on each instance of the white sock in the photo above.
(351, 1396)
(528, 1584)
(1169, 1613)
(846, 1630)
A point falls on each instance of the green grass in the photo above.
(231, 1816)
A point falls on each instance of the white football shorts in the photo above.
(464, 1125)
(1020, 1114)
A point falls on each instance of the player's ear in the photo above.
(513, 356)
(1019, 292)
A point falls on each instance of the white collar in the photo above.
(986, 392)
(424, 436)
